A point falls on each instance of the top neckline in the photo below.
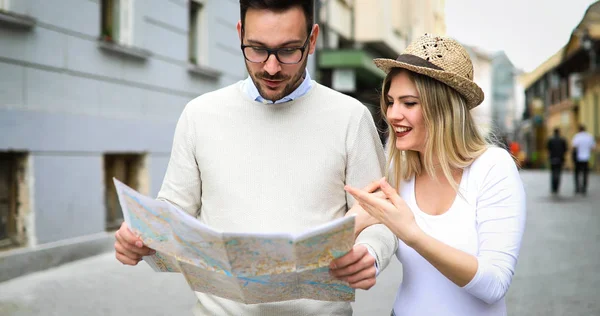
(460, 194)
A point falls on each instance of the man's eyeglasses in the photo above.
(285, 55)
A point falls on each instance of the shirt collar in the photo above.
(302, 89)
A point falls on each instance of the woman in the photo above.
(459, 213)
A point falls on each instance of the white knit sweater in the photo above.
(244, 166)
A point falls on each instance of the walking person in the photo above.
(583, 144)
(291, 146)
(557, 148)
(458, 206)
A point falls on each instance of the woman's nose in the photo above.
(395, 112)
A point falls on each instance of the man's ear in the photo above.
(313, 38)
(239, 29)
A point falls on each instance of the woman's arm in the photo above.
(456, 265)
(500, 225)
(362, 220)
(501, 216)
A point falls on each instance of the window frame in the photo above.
(133, 172)
(116, 21)
(197, 33)
(18, 196)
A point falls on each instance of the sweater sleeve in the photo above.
(182, 183)
(500, 225)
(365, 163)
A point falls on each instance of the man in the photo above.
(272, 154)
(557, 148)
(583, 144)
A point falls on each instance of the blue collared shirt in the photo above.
(303, 88)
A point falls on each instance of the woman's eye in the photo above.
(410, 103)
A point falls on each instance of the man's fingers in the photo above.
(362, 275)
(143, 251)
(353, 256)
(125, 260)
(364, 284)
(119, 248)
(128, 237)
(365, 262)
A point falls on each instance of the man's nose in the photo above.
(272, 65)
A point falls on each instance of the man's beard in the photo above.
(289, 87)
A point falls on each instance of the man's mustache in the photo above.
(276, 77)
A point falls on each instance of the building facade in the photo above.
(482, 76)
(91, 90)
(564, 92)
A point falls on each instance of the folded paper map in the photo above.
(249, 268)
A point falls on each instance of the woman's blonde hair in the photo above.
(452, 136)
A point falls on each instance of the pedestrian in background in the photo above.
(583, 145)
(557, 149)
(458, 209)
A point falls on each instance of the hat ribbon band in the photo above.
(417, 61)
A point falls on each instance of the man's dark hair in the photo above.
(308, 6)
(557, 131)
(581, 128)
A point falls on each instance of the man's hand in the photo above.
(129, 248)
(357, 267)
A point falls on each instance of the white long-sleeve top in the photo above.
(486, 220)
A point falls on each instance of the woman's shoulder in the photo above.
(494, 163)
(493, 156)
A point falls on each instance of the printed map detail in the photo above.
(248, 268)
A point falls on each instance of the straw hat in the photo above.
(440, 58)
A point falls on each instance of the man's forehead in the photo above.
(285, 25)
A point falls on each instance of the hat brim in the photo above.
(467, 88)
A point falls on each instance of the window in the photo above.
(117, 21)
(197, 34)
(13, 198)
(4, 5)
(129, 169)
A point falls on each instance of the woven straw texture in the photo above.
(445, 53)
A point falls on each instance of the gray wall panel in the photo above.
(158, 167)
(80, 16)
(58, 132)
(11, 86)
(40, 46)
(69, 197)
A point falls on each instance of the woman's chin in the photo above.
(403, 146)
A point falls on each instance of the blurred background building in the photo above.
(564, 92)
(482, 75)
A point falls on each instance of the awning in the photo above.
(359, 60)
